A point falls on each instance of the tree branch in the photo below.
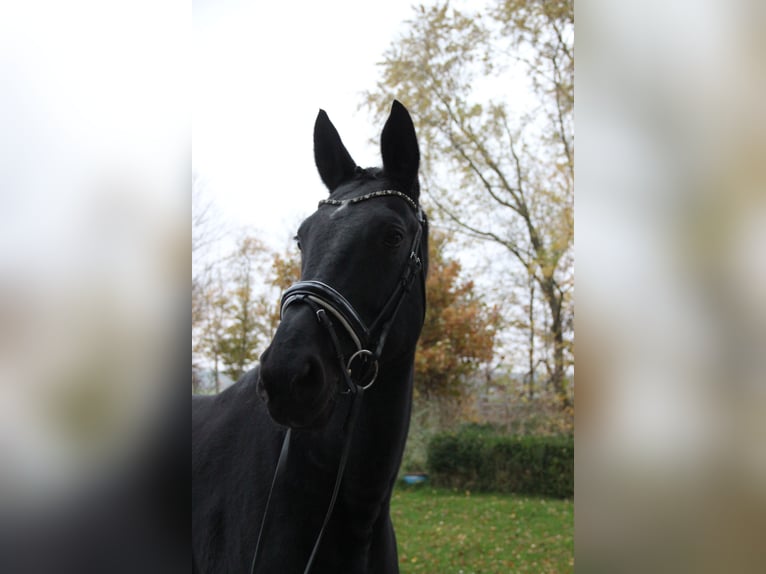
(480, 175)
(481, 234)
(560, 117)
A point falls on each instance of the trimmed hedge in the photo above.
(477, 458)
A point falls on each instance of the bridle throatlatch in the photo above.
(360, 369)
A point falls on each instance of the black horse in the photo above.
(338, 374)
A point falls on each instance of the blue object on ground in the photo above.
(414, 478)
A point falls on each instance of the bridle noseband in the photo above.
(368, 341)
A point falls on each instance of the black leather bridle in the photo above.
(369, 342)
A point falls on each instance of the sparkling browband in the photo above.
(382, 193)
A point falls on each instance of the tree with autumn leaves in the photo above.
(234, 319)
(459, 331)
(491, 92)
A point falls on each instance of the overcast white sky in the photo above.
(261, 72)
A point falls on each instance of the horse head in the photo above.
(360, 303)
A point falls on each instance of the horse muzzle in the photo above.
(297, 387)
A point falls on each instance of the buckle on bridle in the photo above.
(414, 264)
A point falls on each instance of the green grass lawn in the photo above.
(444, 532)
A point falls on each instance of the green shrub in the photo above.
(477, 458)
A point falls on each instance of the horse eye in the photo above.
(393, 238)
(298, 242)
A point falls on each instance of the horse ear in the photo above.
(333, 161)
(399, 148)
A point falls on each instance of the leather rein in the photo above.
(369, 342)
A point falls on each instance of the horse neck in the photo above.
(386, 406)
(381, 428)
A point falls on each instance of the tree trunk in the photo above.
(558, 377)
(531, 351)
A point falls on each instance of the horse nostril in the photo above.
(308, 379)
